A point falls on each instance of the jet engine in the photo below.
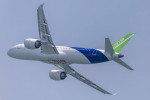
(57, 75)
(32, 43)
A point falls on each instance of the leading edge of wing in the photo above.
(78, 76)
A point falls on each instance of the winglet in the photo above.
(41, 5)
(115, 94)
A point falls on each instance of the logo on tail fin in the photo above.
(117, 46)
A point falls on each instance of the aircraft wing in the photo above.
(75, 74)
(47, 47)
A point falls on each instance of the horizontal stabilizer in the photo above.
(119, 61)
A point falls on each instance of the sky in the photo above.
(81, 23)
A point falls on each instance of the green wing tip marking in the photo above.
(117, 46)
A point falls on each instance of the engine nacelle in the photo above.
(32, 43)
(57, 75)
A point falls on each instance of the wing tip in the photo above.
(41, 6)
(114, 94)
(132, 69)
(108, 93)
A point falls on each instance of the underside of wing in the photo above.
(47, 47)
(78, 76)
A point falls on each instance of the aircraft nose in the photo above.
(10, 52)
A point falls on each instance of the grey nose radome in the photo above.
(9, 52)
(120, 55)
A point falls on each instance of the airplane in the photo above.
(44, 50)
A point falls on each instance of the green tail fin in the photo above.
(117, 46)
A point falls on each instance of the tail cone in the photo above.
(120, 55)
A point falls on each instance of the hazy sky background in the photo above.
(83, 23)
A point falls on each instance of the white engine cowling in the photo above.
(57, 75)
(32, 43)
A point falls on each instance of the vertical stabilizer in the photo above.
(117, 46)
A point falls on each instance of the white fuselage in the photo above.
(67, 55)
